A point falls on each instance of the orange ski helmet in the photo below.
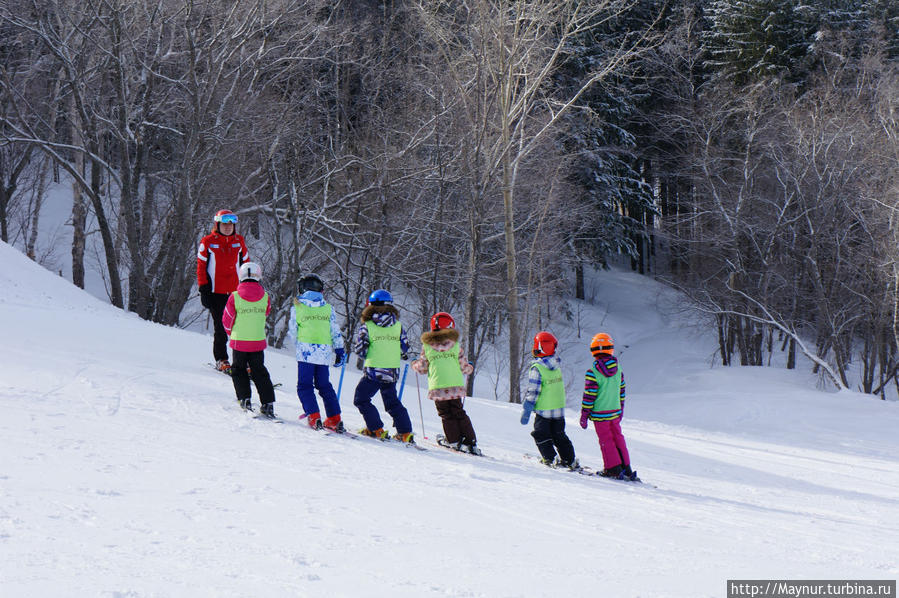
(442, 320)
(602, 343)
(544, 344)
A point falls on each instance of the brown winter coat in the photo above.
(442, 340)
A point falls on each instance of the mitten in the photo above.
(526, 413)
(585, 415)
(205, 294)
(339, 357)
(404, 356)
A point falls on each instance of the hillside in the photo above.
(129, 471)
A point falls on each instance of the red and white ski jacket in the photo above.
(218, 260)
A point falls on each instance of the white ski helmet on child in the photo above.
(250, 271)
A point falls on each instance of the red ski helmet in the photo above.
(442, 320)
(602, 343)
(226, 216)
(544, 344)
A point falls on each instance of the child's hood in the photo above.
(441, 340)
(606, 365)
(312, 299)
(382, 315)
(250, 290)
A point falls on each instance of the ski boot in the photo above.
(223, 366)
(404, 437)
(612, 472)
(380, 433)
(572, 466)
(245, 404)
(628, 474)
(267, 410)
(334, 424)
(315, 421)
(473, 449)
(442, 441)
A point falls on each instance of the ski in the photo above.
(274, 420)
(441, 442)
(580, 468)
(392, 440)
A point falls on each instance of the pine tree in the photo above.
(605, 169)
(748, 40)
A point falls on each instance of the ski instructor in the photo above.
(221, 253)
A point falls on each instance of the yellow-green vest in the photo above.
(552, 391)
(313, 323)
(249, 321)
(608, 396)
(384, 349)
(444, 370)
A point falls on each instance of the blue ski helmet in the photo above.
(380, 297)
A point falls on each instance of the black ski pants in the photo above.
(261, 379)
(216, 305)
(549, 434)
(456, 423)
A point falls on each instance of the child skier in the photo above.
(545, 395)
(244, 321)
(382, 342)
(221, 253)
(319, 344)
(444, 362)
(603, 403)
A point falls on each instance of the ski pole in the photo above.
(420, 414)
(340, 383)
(403, 383)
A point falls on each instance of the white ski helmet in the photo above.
(250, 271)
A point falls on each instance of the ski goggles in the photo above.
(227, 219)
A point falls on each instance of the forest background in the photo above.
(476, 157)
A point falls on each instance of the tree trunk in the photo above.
(471, 299)
(579, 281)
(112, 262)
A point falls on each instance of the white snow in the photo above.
(128, 470)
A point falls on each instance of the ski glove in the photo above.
(526, 414)
(584, 416)
(205, 294)
(339, 357)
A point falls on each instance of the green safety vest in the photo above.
(249, 321)
(443, 367)
(552, 391)
(384, 349)
(313, 323)
(608, 397)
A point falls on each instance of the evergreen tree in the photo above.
(748, 40)
(605, 168)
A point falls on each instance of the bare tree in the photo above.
(501, 58)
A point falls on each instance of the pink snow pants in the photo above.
(611, 441)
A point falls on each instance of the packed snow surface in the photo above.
(128, 470)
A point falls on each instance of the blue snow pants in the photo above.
(312, 377)
(367, 389)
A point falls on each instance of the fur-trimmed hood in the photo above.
(371, 310)
(437, 338)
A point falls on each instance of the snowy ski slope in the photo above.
(127, 470)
